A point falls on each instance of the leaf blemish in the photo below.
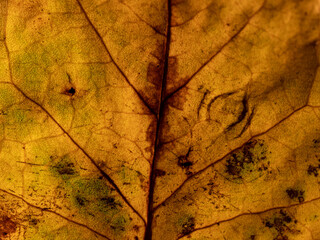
(188, 226)
(80, 200)
(281, 223)
(248, 161)
(159, 173)
(110, 202)
(7, 226)
(184, 161)
(71, 91)
(64, 167)
(295, 194)
(313, 170)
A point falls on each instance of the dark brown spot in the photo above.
(281, 223)
(110, 202)
(312, 170)
(159, 173)
(136, 228)
(188, 226)
(67, 169)
(295, 194)
(7, 226)
(150, 136)
(184, 162)
(154, 74)
(247, 160)
(81, 201)
(71, 91)
(268, 224)
(316, 142)
(33, 221)
(172, 82)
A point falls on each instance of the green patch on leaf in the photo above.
(119, 224)
(249, 162)
(281, 224)
(64, 168)
(186, 224)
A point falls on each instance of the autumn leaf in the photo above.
(176, 119)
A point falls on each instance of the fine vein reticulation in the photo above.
(233, 132)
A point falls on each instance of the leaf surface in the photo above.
(159, 119)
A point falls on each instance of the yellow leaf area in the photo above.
(153, 119)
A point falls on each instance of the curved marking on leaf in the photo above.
(242, 114)
(223, 157)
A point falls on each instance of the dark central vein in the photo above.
(148, 233)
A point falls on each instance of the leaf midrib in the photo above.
(160, 114)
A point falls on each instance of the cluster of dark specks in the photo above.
(110, 202)
(185, 163)
(295, 194)
(283, 224)
(313, 169)
(159, 173)
(188, 226)
(250, 158)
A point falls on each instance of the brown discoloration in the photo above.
(184, 162)
(178, 100)
(172, 78)
(154, 74)
(188, 226)
(150, 137)
(250, 158)
(7, 227)
(70, 91)
(172, 70)
(136, 228)
(159, 173)
(283, 224)
(295, 194)
(313, 170)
